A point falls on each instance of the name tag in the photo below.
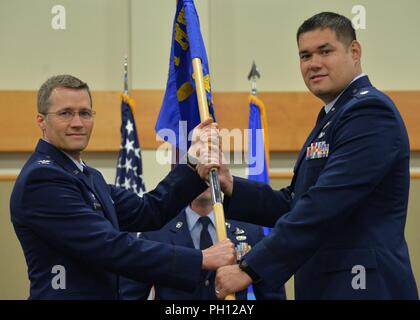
(317, 150)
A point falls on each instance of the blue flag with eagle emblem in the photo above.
(179, 113)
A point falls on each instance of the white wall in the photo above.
(92, 46)
(100, 32)
(265, 30)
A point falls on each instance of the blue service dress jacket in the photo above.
(176, 232)
(74, 222)
(339, 227)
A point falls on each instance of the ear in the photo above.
(356, 51)
(40, 120)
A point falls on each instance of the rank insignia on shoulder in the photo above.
(44, 161)
(317, 150)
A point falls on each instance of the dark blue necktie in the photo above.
(205, 238)
(321, 115)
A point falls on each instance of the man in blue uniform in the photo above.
(339, 226)
(70, 222)
(194, 227)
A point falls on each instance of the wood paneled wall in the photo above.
(291, 116)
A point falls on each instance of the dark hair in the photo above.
(341, 25)
(64, 81)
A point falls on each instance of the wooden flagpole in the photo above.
(213, 175)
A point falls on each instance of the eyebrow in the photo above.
(71, 109)
(323, 46)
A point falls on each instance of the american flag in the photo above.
(129, 167)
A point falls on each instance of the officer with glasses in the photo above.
(72, 225)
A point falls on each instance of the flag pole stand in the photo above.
(213, 174)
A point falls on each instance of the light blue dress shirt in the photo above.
(79, 165)
(194, 226)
